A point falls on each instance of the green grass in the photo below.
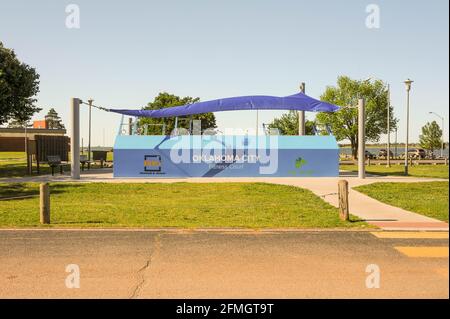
(429, 198)
(436, 171)
(252, 205)
(14, 164)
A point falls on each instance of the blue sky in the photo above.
(125, 52)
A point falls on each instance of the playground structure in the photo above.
(193, 155)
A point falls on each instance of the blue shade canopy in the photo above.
(298, 102)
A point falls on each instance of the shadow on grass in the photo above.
(356, 220)
(14, 191)
(100, 222)
(20, 169)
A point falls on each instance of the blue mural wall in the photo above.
(225, 156)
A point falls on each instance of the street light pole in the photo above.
(361, 138)
(396, 144)
(442, 137)
(388, 163)
(89, 137)
(408, 83)
(75, 138)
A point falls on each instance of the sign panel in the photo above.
(225, 156)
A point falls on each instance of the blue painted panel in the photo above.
(232, 156)
(239, 141)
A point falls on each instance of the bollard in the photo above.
(343, 200)
(44, 206)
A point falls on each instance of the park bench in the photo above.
(85, 160)
(55, 161)
(99, 156)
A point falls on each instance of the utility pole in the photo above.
(89, 137)
(75, 138)
(361, 138)
(408, 83)
(388, 162)
(301, 115)
(396, 144)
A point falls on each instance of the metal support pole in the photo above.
(388, 163)
(396, 143)
(361, 138)
(442, 137)
(408, 88)
(89, 136)
(176, 126)
(257, 122)
(75, 139)
(301, 115)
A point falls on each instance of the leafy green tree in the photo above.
(19, 84)
(431, 137)
(287, 124)
(18, 123)
(344, 123)
(53, 120)
(164, 100)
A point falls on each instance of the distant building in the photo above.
(13, 139)
(40, 124)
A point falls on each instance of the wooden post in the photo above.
(343, 200)
(44, 206)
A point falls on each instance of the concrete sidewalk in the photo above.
(374, 212)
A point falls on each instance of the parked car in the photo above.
(383, 153)
(369, 155)
(416, 153)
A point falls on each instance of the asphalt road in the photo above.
(198, 264)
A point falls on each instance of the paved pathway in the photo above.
(215, 264)
(382, 215)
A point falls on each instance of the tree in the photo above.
(287, 124)
(53, 120)
(344, 123)
(19, 84)
(18, 123)
(431, 137)
(164, 100)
